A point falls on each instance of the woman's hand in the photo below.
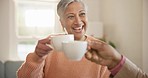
(102, 53)
(43, 47)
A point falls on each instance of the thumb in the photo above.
(96, 44)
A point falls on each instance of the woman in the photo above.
(44, 63)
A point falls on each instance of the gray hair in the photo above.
(62, 5)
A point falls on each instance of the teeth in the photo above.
(78, 28)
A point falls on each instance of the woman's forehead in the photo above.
(74, 7)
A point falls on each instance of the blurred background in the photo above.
(124, 22)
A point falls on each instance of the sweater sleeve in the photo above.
(130, 70)
(32, 67)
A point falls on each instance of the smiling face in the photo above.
(74, 20)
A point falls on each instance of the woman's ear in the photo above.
(62, 23)
(63, 26)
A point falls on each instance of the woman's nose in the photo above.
(78, 20)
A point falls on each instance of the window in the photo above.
(35, 20)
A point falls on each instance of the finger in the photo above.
(94, 56)
(91, 56)
(41, 52)
(44, 41)
(88, 47)
(97, 45)
(49, 41)
(44, 47)
(88, 55)
(50, 46)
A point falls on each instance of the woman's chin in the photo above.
(78, 36)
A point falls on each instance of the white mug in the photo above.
(74, 50)
(56, 41)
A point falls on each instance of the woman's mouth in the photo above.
(78, 29)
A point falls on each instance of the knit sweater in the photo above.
(57, 65)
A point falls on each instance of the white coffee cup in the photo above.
(74, 50)
(56, 41)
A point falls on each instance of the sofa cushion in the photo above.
(1, 70)
(11, 67)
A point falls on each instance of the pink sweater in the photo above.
(56, 65)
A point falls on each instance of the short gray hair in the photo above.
(62, 5)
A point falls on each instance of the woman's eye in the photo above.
(82, 14)
(70, 17)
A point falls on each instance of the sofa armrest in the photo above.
(11, 67)
(1, 69)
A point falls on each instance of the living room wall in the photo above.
(145, 36)
(123, 23)
(7, 31)
(4, 29)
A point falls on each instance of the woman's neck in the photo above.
(83, 38)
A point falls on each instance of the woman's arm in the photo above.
(32, 67)
(34, 64)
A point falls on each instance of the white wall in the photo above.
(12, 32)
(95, 26)
(4, 29)
(93, 10)
(145, 35)
(7, 31)
(123, 25)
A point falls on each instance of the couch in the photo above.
(8, 69)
